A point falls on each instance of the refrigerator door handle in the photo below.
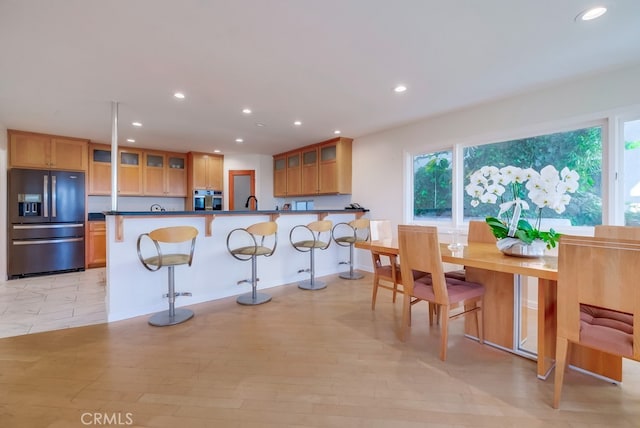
(45, 193)
(45, 226)
(54, 198)
(46, 241)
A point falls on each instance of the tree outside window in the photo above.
(579, 150)
(432, 174)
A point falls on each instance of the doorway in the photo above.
(242, 184)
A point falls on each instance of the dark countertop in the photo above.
(95, 217)
(244, 212)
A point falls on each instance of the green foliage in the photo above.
(432, 185)
(579, 150)
(629, 145)
(525, 232)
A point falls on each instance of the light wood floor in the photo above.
(306, 359)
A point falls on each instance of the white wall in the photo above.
(378, 181)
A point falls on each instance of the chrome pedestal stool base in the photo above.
(351, 275)
(315, 285)
(164, 318)
(250, 299)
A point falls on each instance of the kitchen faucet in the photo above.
(246, 205)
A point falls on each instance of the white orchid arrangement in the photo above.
(548, 188)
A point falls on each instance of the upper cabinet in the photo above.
(334, 169)
(31, 150)
(99, 169)
(280, 176)
(319, 169)
(206, 171)
(165, 174)
(129, 172)
(140, 173)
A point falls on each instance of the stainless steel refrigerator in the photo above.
(46, 211)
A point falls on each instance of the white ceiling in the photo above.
(330, 63)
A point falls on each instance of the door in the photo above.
(67, 196)
(28, 196)
(242, 184)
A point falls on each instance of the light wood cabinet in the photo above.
(309, 183)
(32, 150)
(294, 174)
(280, 176)
(206, 171)
(165, 174)
(319, 169)
(334, 169)
(99, 169)
(129, 172)
(96, 244)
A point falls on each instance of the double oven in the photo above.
(207, 200)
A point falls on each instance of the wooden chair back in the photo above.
(380, 229)
(618, 232)
(602, 273)
(420, 250)
(479, 231)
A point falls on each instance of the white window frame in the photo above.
(609, 187)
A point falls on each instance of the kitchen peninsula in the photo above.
(132, 290)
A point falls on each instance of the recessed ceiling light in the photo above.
(130, 140)
(246, 110)
(239, 140)
(260, 124)
(138, 124)
(593, 13)
(297, 123)
(216, 151)
(337, 131)
(179, 95)
(400, 88)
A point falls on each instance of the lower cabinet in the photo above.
(97, 244)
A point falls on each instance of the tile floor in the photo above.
(52, 302)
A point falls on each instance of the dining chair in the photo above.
(386, 269)
(420, 251)
(597, 299)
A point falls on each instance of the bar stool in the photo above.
(259, 239)
(319, 233)
(170, 237)
(348, 234)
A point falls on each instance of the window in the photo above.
(579, 150)
(631, 173)
(432, 188)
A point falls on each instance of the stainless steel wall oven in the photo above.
(207, 200)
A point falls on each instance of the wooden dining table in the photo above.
(486, 265)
